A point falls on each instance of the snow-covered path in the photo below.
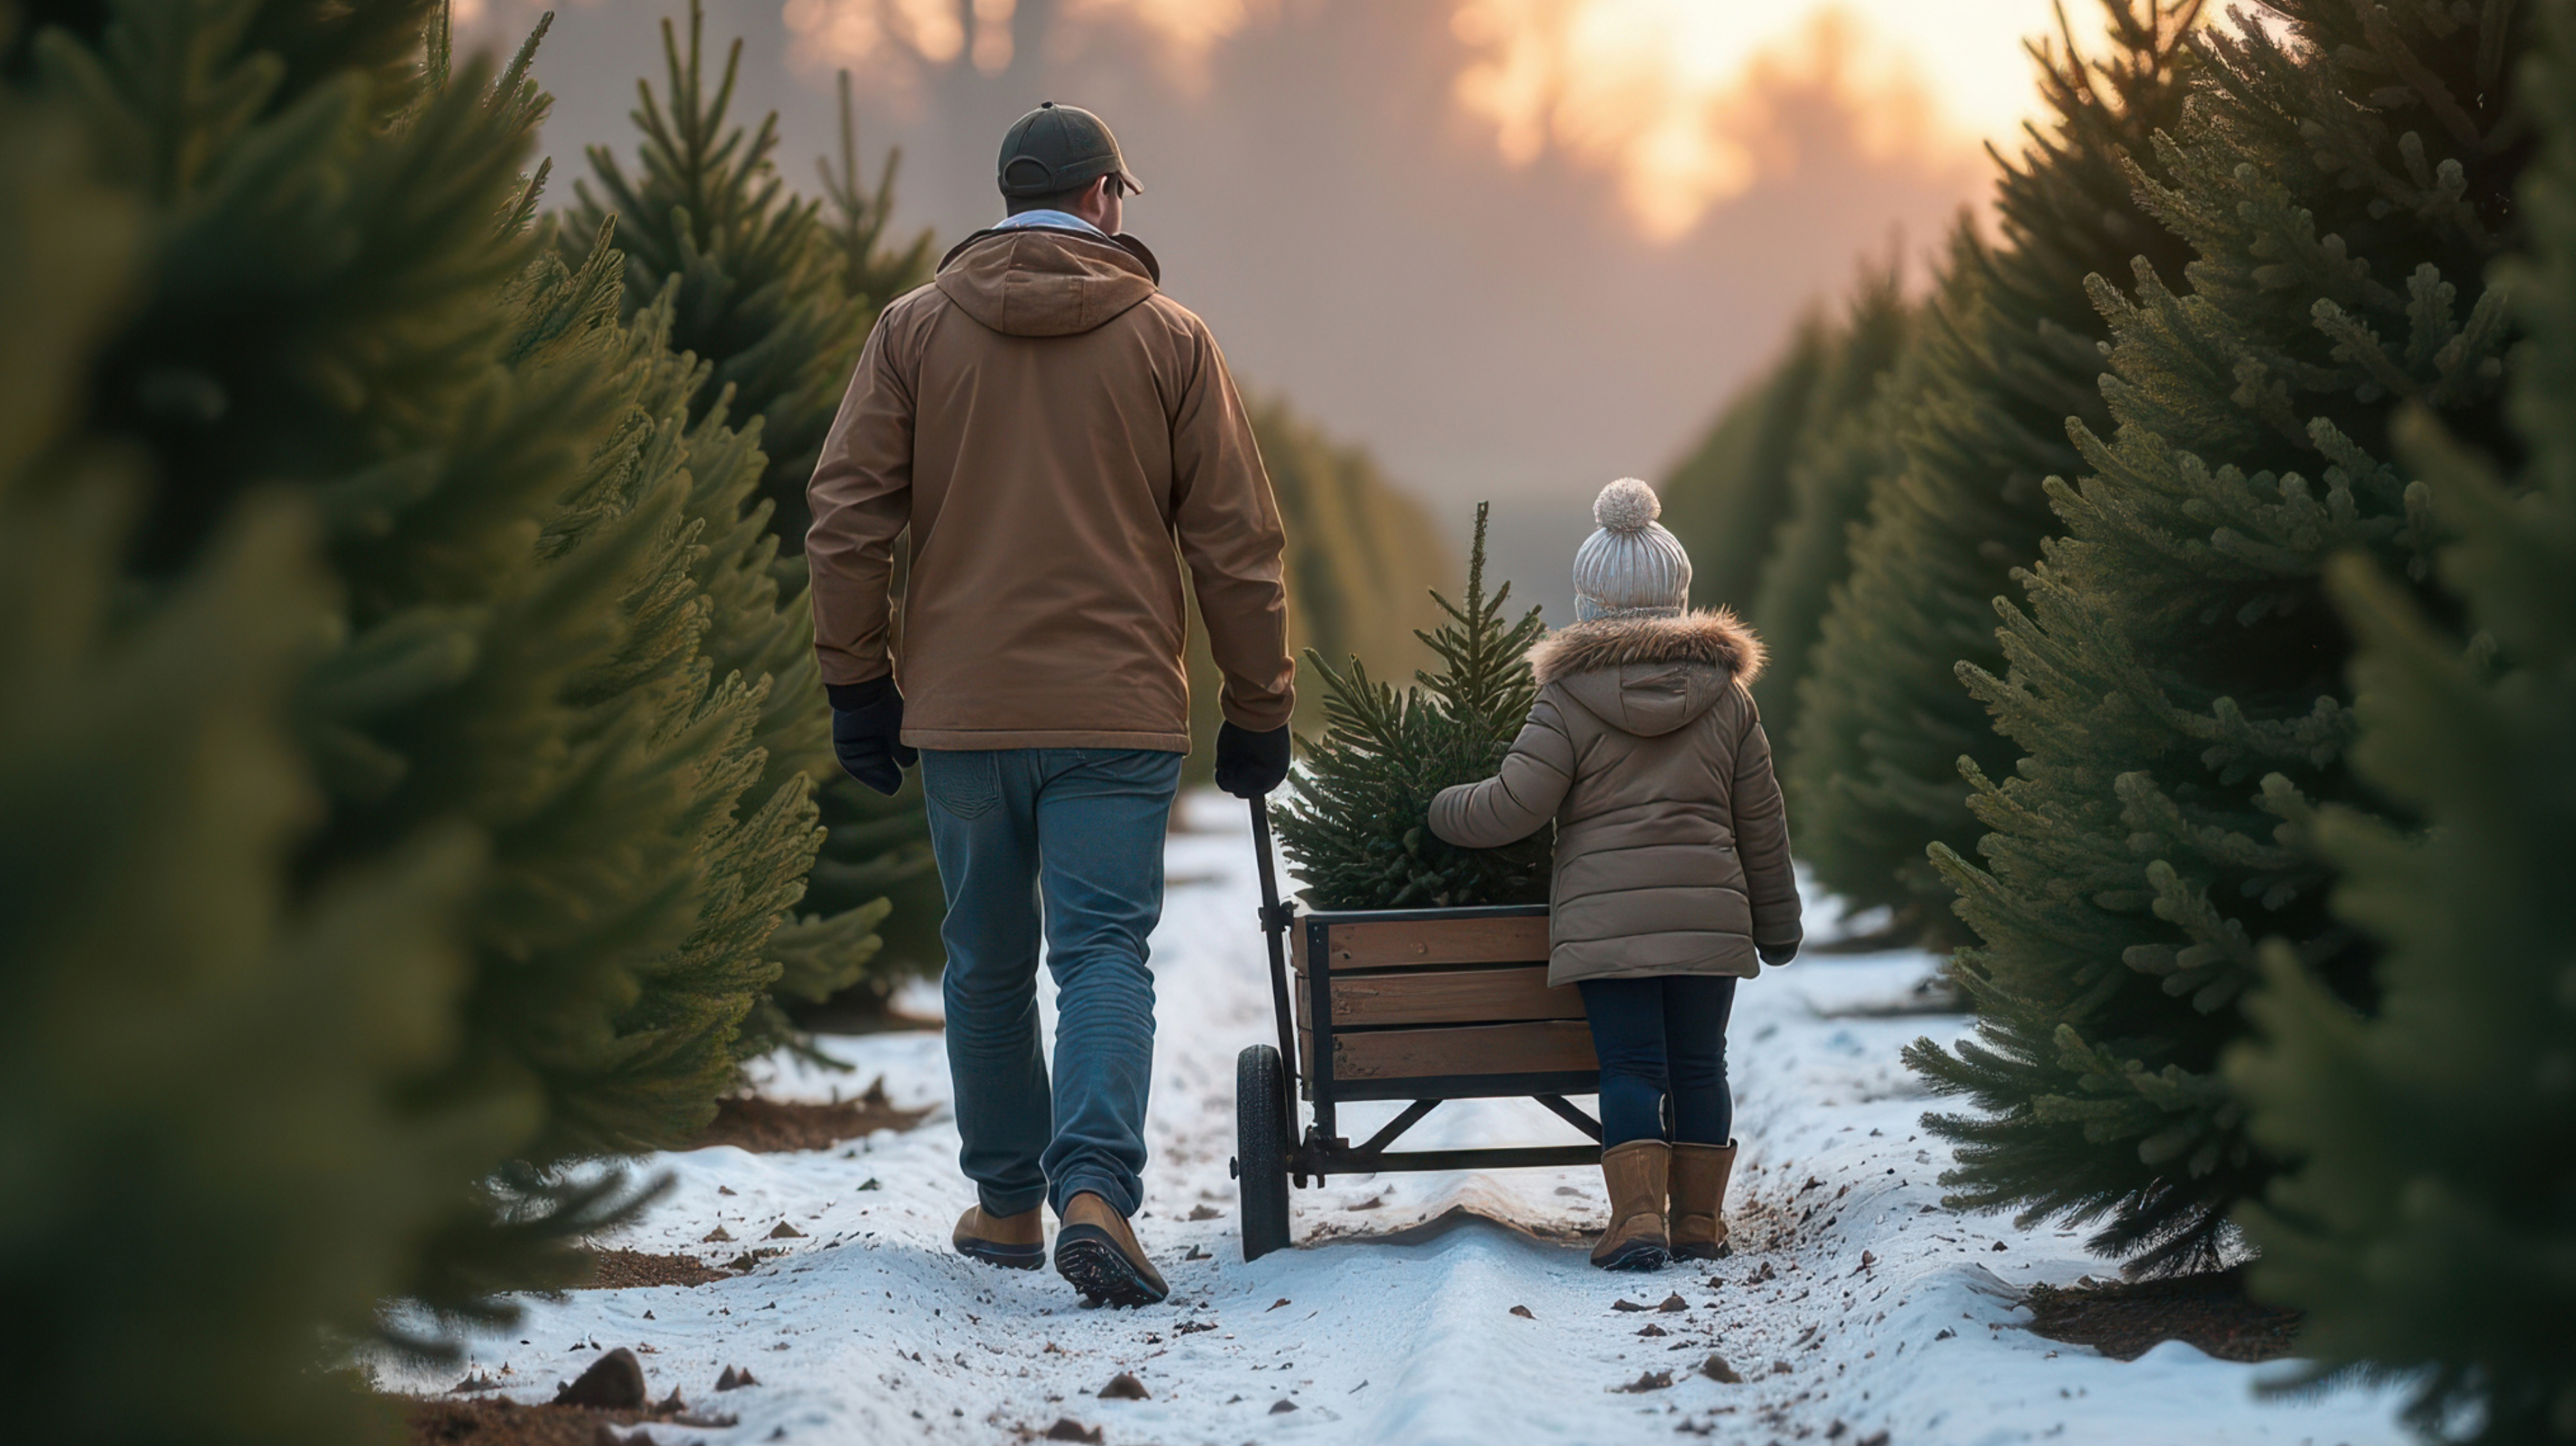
(1853, 1305)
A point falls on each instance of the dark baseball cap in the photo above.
(1056, 148)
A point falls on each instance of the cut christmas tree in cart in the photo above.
(1419, 968)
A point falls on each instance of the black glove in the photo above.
(1782, 955)
(1250, 764)
(867, 729)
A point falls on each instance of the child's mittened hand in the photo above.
(1777, 957)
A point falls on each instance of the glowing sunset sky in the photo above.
(1678, 99)
(1514, 247)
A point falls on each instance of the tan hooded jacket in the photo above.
(1672, 848)
(1060, 437)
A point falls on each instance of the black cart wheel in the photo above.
(1261, 1148)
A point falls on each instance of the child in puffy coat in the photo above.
(1672, 876)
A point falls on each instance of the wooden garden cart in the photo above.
(1423, 1005)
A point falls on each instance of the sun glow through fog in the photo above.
(1684, 103)
(1682, 100)
(876, 33)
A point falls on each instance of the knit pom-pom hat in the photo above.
(1632, 567)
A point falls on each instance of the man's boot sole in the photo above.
(1087, 1256)
(1719, 1251)
(1637, 1255)
(1009, 1257)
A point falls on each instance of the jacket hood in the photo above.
(1650, 676)
(1038, 281)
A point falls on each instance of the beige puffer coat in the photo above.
(1672, 848)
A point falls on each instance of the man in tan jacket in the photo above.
(1060, 438)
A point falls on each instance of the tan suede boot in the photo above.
(1698, 1210)
(1637, 1174)
(1017, 1242)
(1095, 1249)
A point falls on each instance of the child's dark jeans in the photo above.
(1662, 1035)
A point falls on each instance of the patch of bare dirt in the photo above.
(626, 1269)
(499, 1421)
(2126, 1319)
(1763, 1223)
(586, 1411)
(771, 1127)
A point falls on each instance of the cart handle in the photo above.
(1275, 919)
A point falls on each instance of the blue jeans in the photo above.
(1659, 1035)
(1082, 830)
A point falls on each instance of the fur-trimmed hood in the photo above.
(1650, 676)
(1717, 639)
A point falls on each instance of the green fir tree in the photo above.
(341, 297)
(2176, 680)
(1358, 830)
(1847, 442)
(1765, 501)
(334, 319)
(858, 220)
(209, 1064)
(2005, 354)
(757, 828)
(1727, 499)
(2426, 1228)
(757, 275)
(771, 295)
(879, 846)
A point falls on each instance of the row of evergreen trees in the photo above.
(1764, 502)
(211, 1072)
(410, 744)
(2241, 754)
(776, 292)
(2425, 1222)
(2176, 680)
(2009, 350)
(408, 733)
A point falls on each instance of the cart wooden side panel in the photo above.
(1458, 1000)
(1430, 943)
(1500, 995)
(1541, 1047)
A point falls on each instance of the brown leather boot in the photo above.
(1097, 1252)
(1637, 1173)
(1698, 1210)
(1017, 1242)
